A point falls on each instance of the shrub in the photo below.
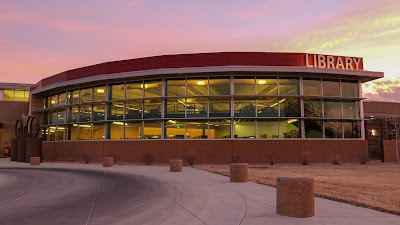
(336, 159)
(305, 157)
(190, 158)
(235, 158)
(364, 158)
(87, 157)
(148, 158)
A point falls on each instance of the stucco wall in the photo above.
(10, 111)
(207, 151)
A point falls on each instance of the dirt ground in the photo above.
(375, 185)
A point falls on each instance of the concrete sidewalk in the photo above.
(199, 197)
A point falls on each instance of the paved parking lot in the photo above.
(69, 193)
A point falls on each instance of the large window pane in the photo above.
(351, 109)
(54, 117)
(52, 134)
(152, 108)
(60, 133)
(19, 95)
(289, 128)
(197, 129)
(133, 109)
(116, 111)
(312, 108)
(267, 129)
(73, 114)
(99, 112)
(53, 101)
(220, 128)
(85, 95)
(8, 95)
(245, 108)
(333, 129)
(26, 96)
(99, 93)
(98, 131)
(332, 109)
(220, 108)
(350, 89)
(175, 108)
(174, 129)
(73, 97)
(244, 86)
(267, 86)
(330, 87)
(289, 107)
(220, 86)
(134, 90)
(176, 87)
(115, 130)
(152, 89)
(311, 87)
(244, 128)
(62, 98)
(197, 86)
(85, 113)
(288, 86)
(61, 116)
(267, 107)
(84, 131)
(196, 107)
(152, 129)
(313, 128)
(117, 92)
(352, 129)
(73, 134)
(133, 130)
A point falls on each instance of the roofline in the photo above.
(364, 76)
(15, 86)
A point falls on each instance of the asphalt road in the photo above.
(76, 196)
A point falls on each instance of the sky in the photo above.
(42, 38)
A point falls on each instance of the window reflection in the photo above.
(197, 86)
(288, 86)
(117, 92)
(289, 128)
(176, 87)
(85, 95)
(351, 109)
(289, 107)
(332, 109)
(73, 97)
(313, 128)
(268, 129)
(152, 89)
(244, 86)
(352, 129)
(134, 90)
(330, 87)
(311, 87)
(220, 108)
(333, 129)
(350, 89)
(220, 86)
(268, 107)
(312, 108)
(245, 128)
(267, 86)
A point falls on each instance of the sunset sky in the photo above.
(41, 38)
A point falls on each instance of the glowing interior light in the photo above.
(201, 82)
(100, 91)
(145, 86)
(373, 132)
(262, 81)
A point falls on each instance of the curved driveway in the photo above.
(67, 193)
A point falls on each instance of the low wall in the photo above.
(389, 151)
(207, 151)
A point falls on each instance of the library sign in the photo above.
(334, 62)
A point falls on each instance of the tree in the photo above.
(395, 121)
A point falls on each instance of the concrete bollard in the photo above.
(175, 165)
(108, 161)
(239, 172)
(35, 161)
(295, 196)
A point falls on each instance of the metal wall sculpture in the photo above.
(27, 125)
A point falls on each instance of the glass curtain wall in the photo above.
(206, 107)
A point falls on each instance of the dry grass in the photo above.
(375, 185)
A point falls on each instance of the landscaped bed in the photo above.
(375, 185)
